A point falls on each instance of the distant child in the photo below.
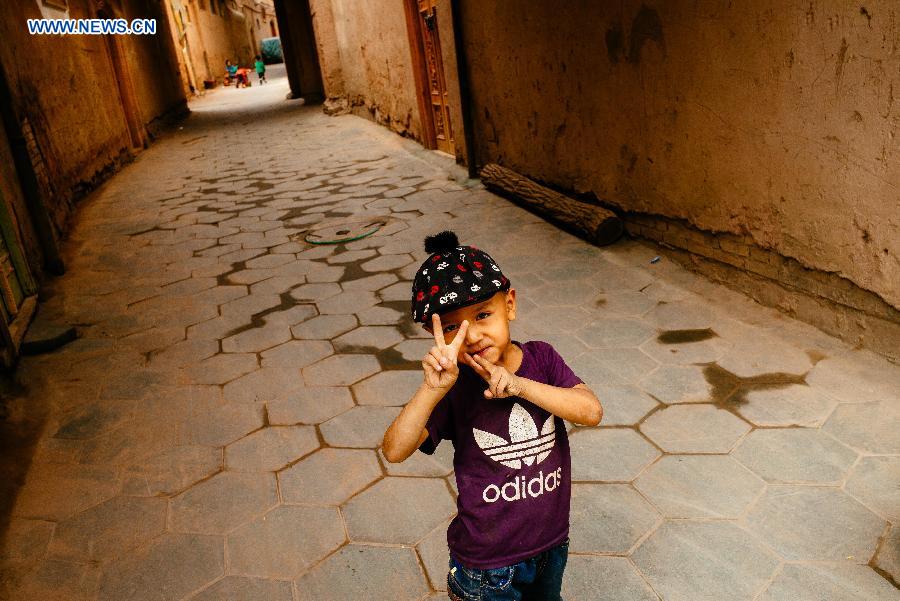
(503, 410)
(260, 69)
(231, 70)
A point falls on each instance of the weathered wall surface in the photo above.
(66, 92)
(771, 120)
(372, 68)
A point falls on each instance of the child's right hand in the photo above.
(441, 369)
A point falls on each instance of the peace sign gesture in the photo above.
(441, 369)
(502, 384)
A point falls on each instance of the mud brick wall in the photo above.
(826, 300)
(774, 120)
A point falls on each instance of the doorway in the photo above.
(434, 105)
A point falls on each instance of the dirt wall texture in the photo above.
(772, 120)
(67, 95)
(366, 61)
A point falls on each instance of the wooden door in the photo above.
(433, 86)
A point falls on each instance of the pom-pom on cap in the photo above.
(441, 242)
(453, 276)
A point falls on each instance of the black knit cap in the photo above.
(453, 276)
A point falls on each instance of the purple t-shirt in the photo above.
(512, 465)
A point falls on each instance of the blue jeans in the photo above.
(535, 579)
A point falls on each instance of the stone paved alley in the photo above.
(213, 433)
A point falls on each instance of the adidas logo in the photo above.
(525, 444)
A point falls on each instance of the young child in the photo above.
(260, 69)
(503, 410)
(231, 71)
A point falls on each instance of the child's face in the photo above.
(488, 333)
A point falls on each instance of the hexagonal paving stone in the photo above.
(623, 405)
(387, 263)
(271, 448)
(398, 510)
(596, 372)
(869, 427)
(683, 353)
(626, 303)
(25, 541)
(678, 385)
(245, 589)
(613, 333)
(608, 518)
(888, 557)
(436, 556)
(109, 530)
(699, 486)
(563, 319)
(368, 337)
(285, 541)
(604, 579)
(857, 376)
(289, 317)
(762, 354)
(315, 292)
(329, 476)
(184, 562)
(437, 465)
(340, 370)
(694, 429)
(609, 454)
(347, 303)
(360, 427)
(90, 420)
(682, 315)
(797, 455)
(388, 388)
(216, 423)
(257, 339)
(54, 580)
(221, 368)
(172, 471)
(628, 364)
(380, 316)
(415, 350)
(362, 572)
(704, 561)
(324, 327)
(57, 491)
(223, 502)
(263, 384)
(297, 353)
(794, 405)
(874, 481)
(813, 523)
(813, 582)
(396, 292)
(312, 405)
(371, 283)
(351, 256)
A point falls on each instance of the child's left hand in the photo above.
(501, 383)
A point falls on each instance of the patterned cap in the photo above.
(453, 276)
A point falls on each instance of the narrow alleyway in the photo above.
(213, 433)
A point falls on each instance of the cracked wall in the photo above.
(774, 121)
(366, 62)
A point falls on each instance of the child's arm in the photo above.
(578, 405)
(407, 432)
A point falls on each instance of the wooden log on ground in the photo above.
(597, 224)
